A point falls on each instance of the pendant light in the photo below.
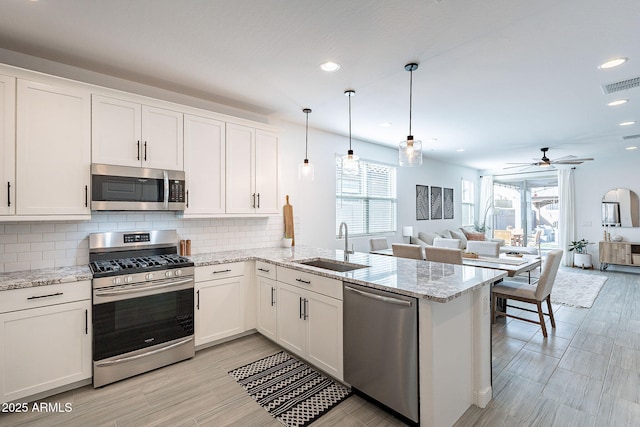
(350, 162)
(410, 152)
(305, 169)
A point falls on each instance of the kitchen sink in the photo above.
(333, 265)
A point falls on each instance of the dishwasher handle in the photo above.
(379, 297)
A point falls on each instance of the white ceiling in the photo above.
(499, 78)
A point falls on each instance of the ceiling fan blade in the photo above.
(574, 161)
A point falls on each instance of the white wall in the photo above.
(314, 203)
(593, 180)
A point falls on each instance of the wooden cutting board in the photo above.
(287, 210)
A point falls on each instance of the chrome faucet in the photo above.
(346, 240)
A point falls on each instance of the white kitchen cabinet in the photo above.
(266, 307)
(251, 171)
(204, 164)
(47, 346)
(309, 319)
(219, 302)
(129, 133)
(7, 145)
(53, 149)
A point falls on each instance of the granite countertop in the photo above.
(420, 279)
(44, 277)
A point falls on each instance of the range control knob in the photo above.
(128, 279)
(117, 281)
(168, 273)
(149, 276)
(178, 272)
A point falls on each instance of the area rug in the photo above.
(576, 289)
(291, 391)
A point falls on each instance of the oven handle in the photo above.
(166, 186)
(142, 288)
(139, 356)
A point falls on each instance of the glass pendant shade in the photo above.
(350, 163)
(410, 152)
(305, 171)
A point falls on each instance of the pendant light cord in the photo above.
(410, 97)
(349, 120)
(306, 136)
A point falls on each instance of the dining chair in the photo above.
(378, 243)
(404, 250)
(533, 294)
(484, 248)
(444, 255)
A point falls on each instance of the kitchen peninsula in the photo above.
(454, 341)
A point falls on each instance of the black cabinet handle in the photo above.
(222, 271)
(86, 322)
(187, 198)
(264, 270)
(198, 299)
(254, 201)
(145, 151)
(138, 149)
(300, 307)
(306, 282)
(273, 300)
(8, 194)
(46, 296)
(86, 196)
(258, 200)
(306, 309)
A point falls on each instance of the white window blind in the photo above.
(366, 201)
(468, 202)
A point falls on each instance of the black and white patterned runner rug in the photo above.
(291, 391)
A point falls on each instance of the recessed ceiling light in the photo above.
(385, 125)
(460, 150)
(330, 67)
(617, 102)
(629, 123)
(631, 148)
(612, 63)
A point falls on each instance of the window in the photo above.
(366, 201)
(468, 202)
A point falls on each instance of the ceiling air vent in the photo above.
(636, 136)
(622, 85)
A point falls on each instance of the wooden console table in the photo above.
(621, 253)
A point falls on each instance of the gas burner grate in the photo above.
(125, 265)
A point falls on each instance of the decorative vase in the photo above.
(617, 238)
(287, 242)
(582, 260)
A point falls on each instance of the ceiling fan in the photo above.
(546, 162)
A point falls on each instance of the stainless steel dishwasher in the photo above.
(381, 347)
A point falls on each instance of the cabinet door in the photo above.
(240, 169)
(44, 348)
(162, 139)
(324, 337)
(267, 172)
(204, 165)
(7, 145)
(267, 307)
(53, 149)
(291, 327)
(219, 309)
(115, 131)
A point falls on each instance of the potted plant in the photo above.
(581, 258)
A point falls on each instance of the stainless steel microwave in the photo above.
(124, 188)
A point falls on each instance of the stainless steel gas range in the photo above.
(142, 303)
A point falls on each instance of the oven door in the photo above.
(133, 317)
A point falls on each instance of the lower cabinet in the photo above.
(46, 347)
(309, 323)
(219, 302)
(266, 306)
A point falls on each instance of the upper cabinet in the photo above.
(251, 171)
(7, 145)
(204, 157)
(132, 134)
(53, 146)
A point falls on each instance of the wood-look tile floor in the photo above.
(586, 373)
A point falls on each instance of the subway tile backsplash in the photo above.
(34, 245)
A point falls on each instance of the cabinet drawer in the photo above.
(322, 285)
(41, 296)
(264, 269)
(219, 271)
